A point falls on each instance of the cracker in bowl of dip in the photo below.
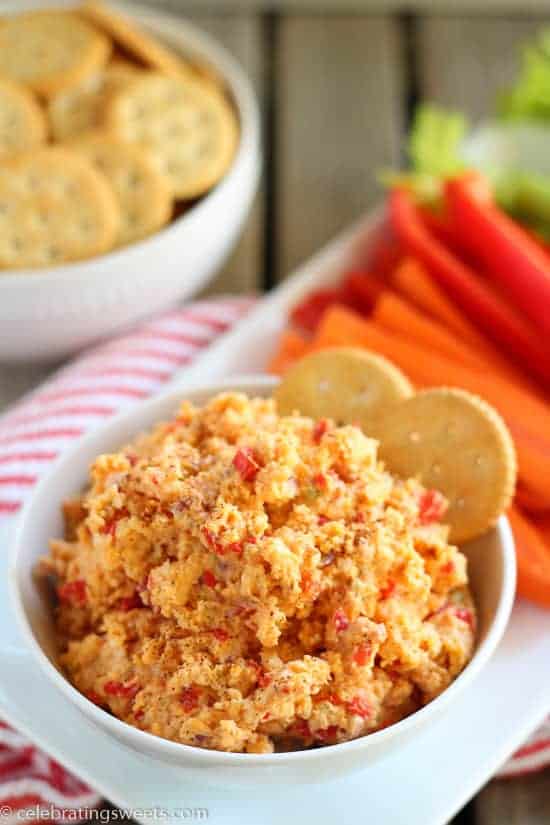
(242, 581)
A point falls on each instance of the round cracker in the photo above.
(190, 130)
(456, 443)
(134, 41)
(22, 122)
(142, 192)
(54, 207)
(50, 51)
(80, 109)
(349, 385)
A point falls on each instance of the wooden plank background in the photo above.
(336, 80)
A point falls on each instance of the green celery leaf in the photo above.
(435, 139)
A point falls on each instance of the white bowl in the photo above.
(492, 573)
(49, 313)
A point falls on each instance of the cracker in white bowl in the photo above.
(22, 121)
(50, 51)
(54, 207)
(79, 109)
(133, 40)
(142, 193)
(190, 129)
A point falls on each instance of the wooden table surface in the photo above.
(337, 89)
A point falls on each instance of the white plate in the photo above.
(425, 784)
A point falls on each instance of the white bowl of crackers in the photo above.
(129, 157)
(452, 573)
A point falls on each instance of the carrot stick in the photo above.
(542, 523)
(530, 501)
(533, 558)
(413, 281)
(291, 347)
(495, 317)
(397, 315)
(526, 416)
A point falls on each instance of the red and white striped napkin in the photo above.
(47, 421)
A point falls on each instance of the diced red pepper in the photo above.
(322, 520)
(448, 568)
(94, 697)
(264, 679)
(341, 621)
(235, 547)
(320, 480)
(130, 602)
(432, 507)
(301, 728)
(122, 690)
(359, 707)
(109, 527)
(246, 463)
(209, 578)
(209, 538)
(73, 592)
(326, 734)
(361, 654)
(220, 634)
(465, 615)
(319, 430)
(189, 698)
(305, 580)
(388, 590)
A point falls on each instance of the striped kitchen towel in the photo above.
(47, 421)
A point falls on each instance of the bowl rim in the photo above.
(175, 751)
(197, 43)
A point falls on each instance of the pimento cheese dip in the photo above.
(243, 581)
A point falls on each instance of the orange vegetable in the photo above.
(542, 523)
(533, 558)
(527, 417)
(412, 280)
(397, 315)
(414, 283)
(291, 347)
(530, 501)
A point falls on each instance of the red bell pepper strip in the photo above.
(460, 282)
(515, 262)
(378, 253)
(361, 290)
(307, 314)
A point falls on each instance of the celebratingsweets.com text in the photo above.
(57, 814)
